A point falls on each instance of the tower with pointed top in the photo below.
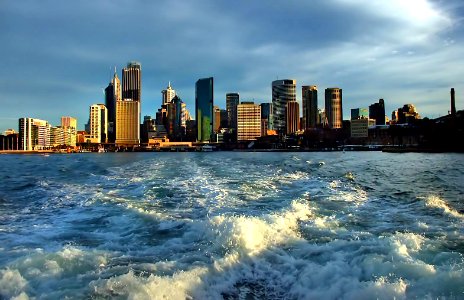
(112, 95)
(168, 94)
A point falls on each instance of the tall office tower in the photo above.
(224, 118)
(168, 94)
(248, 121)
(216, 119)
(359, 113)
(34, 134)
(377, 112)
(309, 96)
(333, 107)
(98, 123)
(56, 136)
(283, 91)
(232, 100)
(204, 102)
(112, 94)
(127, 122)
(132, 81)
(69, 125)
(175, 125)
(453, 102)
(267, 116)
(292, 113)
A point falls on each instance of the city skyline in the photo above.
(400, 52)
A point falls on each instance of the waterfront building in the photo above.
(112, 94)
(56, 136)
(34, 134)
(127, 122)
(309, 99)
(283, 91)
(248, 121)
(98, 123)
(9, 140)
(168, 94)
(292, 113)
(232, 100)
(360, 127)
(377, 112)
(333, 107)
(204, 102)
(407, 114)
(132, 81)
(69, 125)
(216, 119)
(359, 113)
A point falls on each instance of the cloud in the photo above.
(60, 54)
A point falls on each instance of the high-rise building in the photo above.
(333, 107)
(359, 113)
(292, 113)
(309, 97)
(168, 94)
(407, 114)
(248, 121)
(267, 117)
(69, 125)
(204, 102)
(232, 100)
(34, 134)
(132, 81)
(176, 118)
(127, 122)
(377, 112)
(453, 102)
(216, 119)
(224, 118)
(112, 94)
(98, 123)
(283, 91)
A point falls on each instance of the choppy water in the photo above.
(353, 225)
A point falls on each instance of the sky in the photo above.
(57, 56)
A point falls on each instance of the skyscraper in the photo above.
(309, 97)
(248, 121)
(132, 81)
(377, 112)
(333, 107)
(283, 91)
(216, 119)
(69, 125)
(127, 122)
(168, 94)
(204, 102)
(112, 94)
(232, 100)
(292, 113)
(267, 118)
(98, 123)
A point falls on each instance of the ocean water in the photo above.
(232, 225)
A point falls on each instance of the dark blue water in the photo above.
(341, 225)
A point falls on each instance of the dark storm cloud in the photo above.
(58, 55)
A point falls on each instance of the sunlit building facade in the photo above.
(292, 112)
(333, 107)
(98, 123)
(34, 134)
(69, 125)
(127, 122)
(248, 121)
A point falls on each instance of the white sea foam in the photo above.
(437, 202)
(12, 284)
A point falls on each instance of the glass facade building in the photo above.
(204, 102)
